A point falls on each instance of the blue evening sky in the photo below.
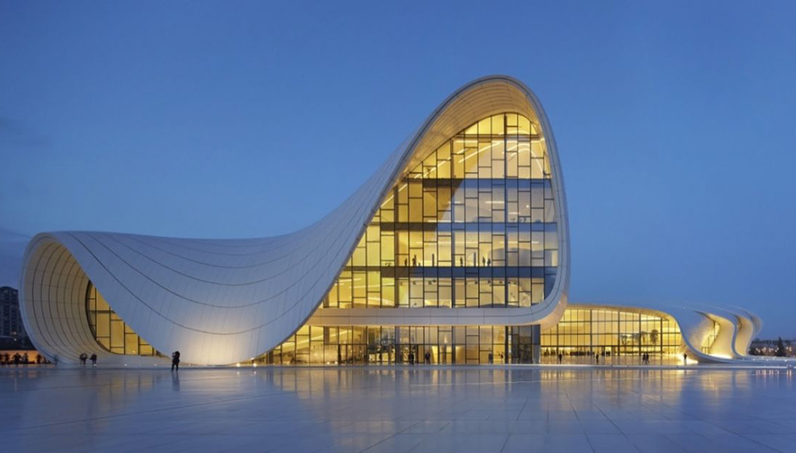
(674, 122)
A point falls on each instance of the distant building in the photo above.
(769, 347)
(12, 330)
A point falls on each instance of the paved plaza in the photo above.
(397, 409)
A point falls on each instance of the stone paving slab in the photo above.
(398, 409)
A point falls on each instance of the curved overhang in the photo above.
(750, 326)
(225, 301)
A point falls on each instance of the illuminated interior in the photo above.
(586, 331)
(582, 332)
(390, 345)
(473, 225)
(109, 330)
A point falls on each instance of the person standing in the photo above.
(93, 359)
(685, 358)
(83, 358)
(175, 360)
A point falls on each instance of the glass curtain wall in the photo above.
(473, 225)
(109, 330)
(585, 332)
(390, 345)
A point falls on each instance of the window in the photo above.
(110, 331)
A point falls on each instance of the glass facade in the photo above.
(109, 330)
(391, 345)
(587, 331)
(473, 225)
(582, 332)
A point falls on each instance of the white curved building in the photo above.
(457, 247)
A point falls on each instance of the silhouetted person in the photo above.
(17, 358)
(175, 361)
(598, 358)
(93, 359)
(83, 358)
(38, 359)
(428, 358)
(685, 358)
(411, 358)
(560, 357)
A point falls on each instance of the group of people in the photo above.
(645, 357)
(84, 357)
(426, 358)
(20, 359)
(175, 360)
